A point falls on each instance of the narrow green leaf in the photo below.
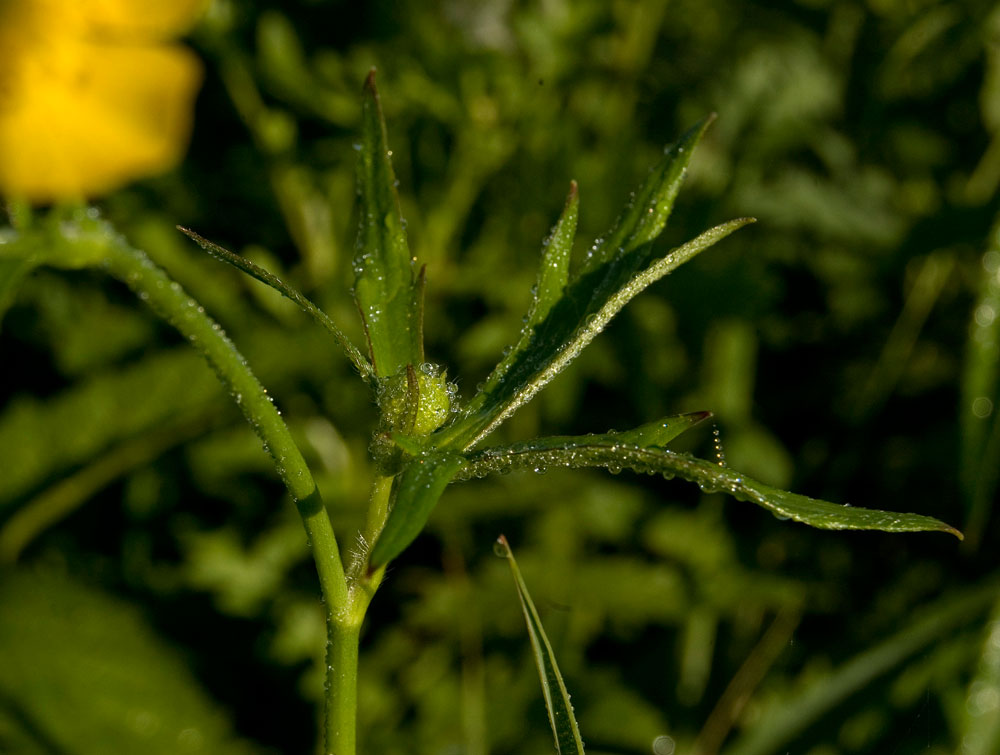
(385, 286)
(361, 364)
(553, 272)
(563, 449)
(646, 214)
(417, 490)
(611, 452)
(557, 703)
(576, 319)
(559, 328)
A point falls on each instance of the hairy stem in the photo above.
(345, 608)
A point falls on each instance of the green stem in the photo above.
(342, 683)
(170, 301)
(93, 242)
(344, 610)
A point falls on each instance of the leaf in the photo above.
(387, 292)
(254, 271)
(84, 673)
(616, 269)
(566, 448)
(553, 272)
(418, 488)
(557, 702)
(613, 452)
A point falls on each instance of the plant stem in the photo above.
(170, 301)
(345, 608)
(342, 683)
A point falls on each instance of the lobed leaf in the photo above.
(576, 319)
(387, 292)
(615, 270)
(557, 702)
(417, 490)
(612, 452)
(361, 364)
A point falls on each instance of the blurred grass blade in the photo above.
(418, 488)
(561, 718)
(255, 271)
(979, 419)
(590, 302)
(13, 270)
(792, 715)
(981, 727)
(614, 453)
(385, 286)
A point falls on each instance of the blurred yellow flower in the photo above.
(92, 93)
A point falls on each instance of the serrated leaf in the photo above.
(557, 702)
(386, 289)
(589, 304)
(254, 271)
(611, 452)
(417, 490)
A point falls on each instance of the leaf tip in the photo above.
(370, 81)
(501, 547)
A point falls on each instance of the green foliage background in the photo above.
(841, 342)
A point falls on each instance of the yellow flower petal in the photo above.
(155, 18)
(82, 115)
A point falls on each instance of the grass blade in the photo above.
(255, 271)
(979, 417)
(561, 718)
(385, 286)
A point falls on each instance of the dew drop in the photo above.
(720, 454)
